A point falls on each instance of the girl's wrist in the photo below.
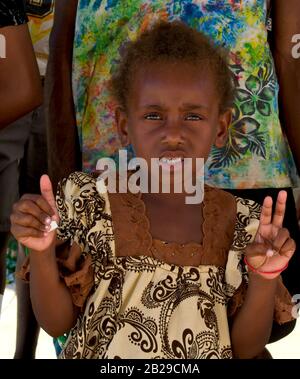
(42, 254)
(260, 286)
(268, 275)
(263, 280)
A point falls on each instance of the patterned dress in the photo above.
(257, 154)
(134, 303)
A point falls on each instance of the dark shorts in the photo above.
(23, 159)
(291, 276)
(34, 163)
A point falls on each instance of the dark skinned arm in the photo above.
(64, 154)
(250, 333)
(20, 83)
(51, 298)
(286, 24)
(251, 328)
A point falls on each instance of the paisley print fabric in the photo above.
(141, 307)
(256, 154)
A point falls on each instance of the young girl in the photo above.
(146, 275)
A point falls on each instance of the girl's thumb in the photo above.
(47, 192)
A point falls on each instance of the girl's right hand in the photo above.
(31, 218)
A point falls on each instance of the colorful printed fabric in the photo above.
(40, 14)
(12, 13)
(137, 306)
(257, 154)
(143, 303)
(11, 260)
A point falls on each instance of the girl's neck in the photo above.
(167, 201)
(171, 219)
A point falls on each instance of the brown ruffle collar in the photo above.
(133, 238)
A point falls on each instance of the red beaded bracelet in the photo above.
(264, 272)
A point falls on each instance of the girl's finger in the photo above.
(280, 209)
(256, 249)
(288, 248)
(266, 211)
(21, 232)
(30, 207)
(47, 192)
(25, 219)
(282, 236)
(40, 202)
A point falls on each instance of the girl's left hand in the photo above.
(272, 247)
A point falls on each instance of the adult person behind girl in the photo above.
(19, 77)
(27, 136)
(256, 160)
(20, 92)
(33, 165)
(146, 277)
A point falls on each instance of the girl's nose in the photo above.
(172, 132)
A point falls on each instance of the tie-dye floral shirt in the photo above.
(41, 15)
(256, 154)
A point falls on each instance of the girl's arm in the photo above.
(266, 257)
(252, 326)
(51, 299)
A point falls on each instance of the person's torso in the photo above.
(256, 154)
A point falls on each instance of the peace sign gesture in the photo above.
(273, 247)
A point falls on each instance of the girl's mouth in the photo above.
(171, 161)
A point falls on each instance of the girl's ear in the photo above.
(122, 125)
(222, 131)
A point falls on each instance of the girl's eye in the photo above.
(193, 117)
(153, 116)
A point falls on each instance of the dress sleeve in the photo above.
(236, 273)
(72, 197)
(78, 207)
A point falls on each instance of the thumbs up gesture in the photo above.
(273, 247)
(32, 216)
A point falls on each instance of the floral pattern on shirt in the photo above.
(256, 154)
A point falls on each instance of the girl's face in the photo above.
(173, 111)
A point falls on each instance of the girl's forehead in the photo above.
(170, 67)
(175, 75)
(161, 85)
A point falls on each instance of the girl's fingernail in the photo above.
(48, 221)
(53, 226)
(45, 234)
(270, 253)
